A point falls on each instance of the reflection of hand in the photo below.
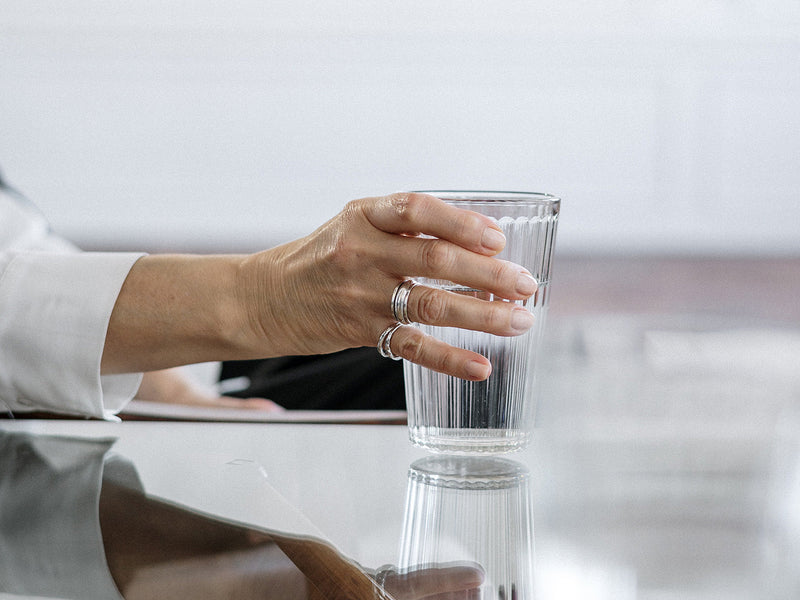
(332, 289)
(452, 582)
(172, 386)
(159, 550)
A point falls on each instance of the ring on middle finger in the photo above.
(400, 300)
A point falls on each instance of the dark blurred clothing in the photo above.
(354, 379)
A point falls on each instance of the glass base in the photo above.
(469, 441)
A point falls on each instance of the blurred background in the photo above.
(669, 128)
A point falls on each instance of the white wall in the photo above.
(664, 126)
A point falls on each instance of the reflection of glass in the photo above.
(462, 509)
(452, 415)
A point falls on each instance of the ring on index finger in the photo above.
(400, 300)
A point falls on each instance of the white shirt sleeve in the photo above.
(55, 304)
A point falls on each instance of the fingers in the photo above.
(449, 309)
(443, 260)
(413, 345)
(258, 404)
(414, 214)
(460, 249)
(459, 246)
(438, 583)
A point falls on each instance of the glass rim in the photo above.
(492, 196)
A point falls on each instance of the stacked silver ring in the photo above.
(380, 582)
(385, 342)
(400, 300)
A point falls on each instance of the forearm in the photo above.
(175, 310)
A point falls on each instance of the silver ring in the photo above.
(380, 582)
(385, 342)
(400, 300)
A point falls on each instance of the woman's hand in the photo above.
(173, 386)
(325, 292)
(454, 581)
(332, 289)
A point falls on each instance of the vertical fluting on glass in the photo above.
(452, 415)
(473, 511)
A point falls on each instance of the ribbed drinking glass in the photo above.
(447, 414)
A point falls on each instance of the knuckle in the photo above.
(343, 251)
(411, 347)
(496, 317)
(343, 240)
(407, 205)
(437, 255)
(431, 307)
(355, 215)
(504, 274)
(354, 208)
(401, 203)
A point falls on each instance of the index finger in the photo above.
(413, 213)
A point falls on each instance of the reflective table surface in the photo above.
(665, 464)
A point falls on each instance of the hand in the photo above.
(325, 292)
(331, 290)
(172, 386)
(441, 582)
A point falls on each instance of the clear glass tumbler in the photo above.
(471, 511)
(447, 414)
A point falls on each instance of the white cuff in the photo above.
(54, 313)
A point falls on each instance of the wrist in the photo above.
(254, 329)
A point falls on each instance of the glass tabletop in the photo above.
(665, 464)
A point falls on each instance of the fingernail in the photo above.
(478, 370)
(521, 320)
(526, 284)
(493, 239)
